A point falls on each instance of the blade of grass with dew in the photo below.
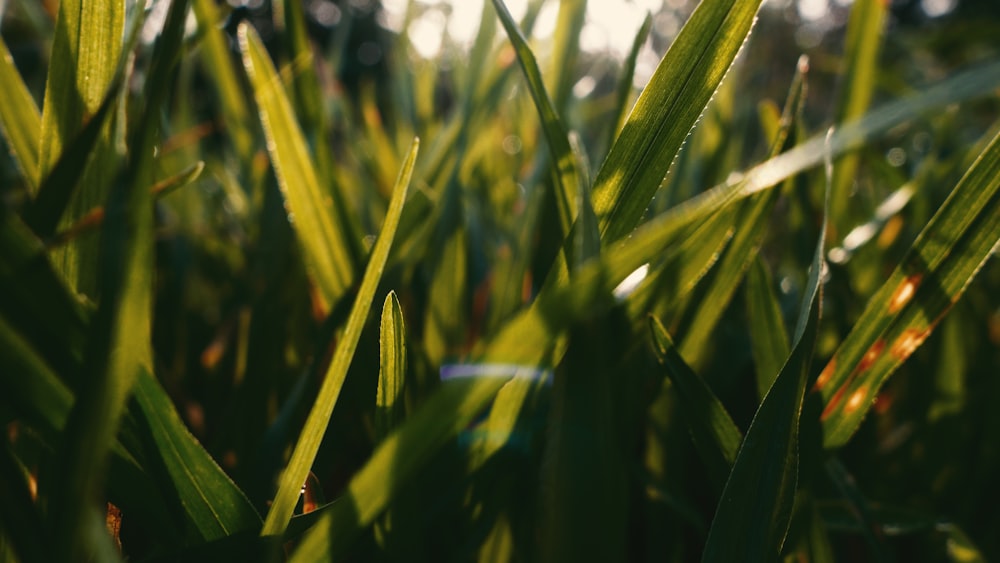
(294, 475)
(753, 515)
(86, 52)
(119, 345)
(392, 368)
(20, 121)
(862, 45)
(768, 336)
(554, 130)
(623, 90)
(666, 111)
(712, 429)
(930, 278)
(324, 246)
(217, 58)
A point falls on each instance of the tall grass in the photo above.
(638, 325)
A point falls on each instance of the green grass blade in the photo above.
(395, 462)
(965, 85)
(210, 500)
(565, 51)
(768, 336)
(57, 189)
(753, 515)
(667, 109)
(20, 121)
(294, 475)
(119, 346)
(920, 291)
(712, 429)
(555, 132)
(862, 44)
(392, 368)
(324, 246)
(623, 91)
(217, 58)
(86, 51)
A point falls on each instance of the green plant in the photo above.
(515, 399)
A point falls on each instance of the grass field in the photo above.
(502, 304)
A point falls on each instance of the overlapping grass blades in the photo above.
(307, 445)
(20, 120)
(920, 291)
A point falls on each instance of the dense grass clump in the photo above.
(255, 305)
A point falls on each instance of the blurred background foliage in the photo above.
(240, 335)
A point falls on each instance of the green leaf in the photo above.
(324, 246)
(862, 45)
(20, 122)
(930, 278)
(714, 433)
(560, 150)
(86, 53)
(396, 460)
(623, 90)
(753, 515)
(392, 368)
(768, 336)
(119, 345)
(666, 111)
(212, 502)
(294, 475)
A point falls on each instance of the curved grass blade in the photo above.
(324, 246)
(753, 515)
(20, 521)
(392, 368)
(555, 132)
(667, 109)
(20, 121)
(921, 290)
(712, 429)
(294, 475)
(565, 51)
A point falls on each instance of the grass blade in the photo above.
(921, 290)
(119, 347)
(392, 368)
(712, 429)
(295, 473)
(20, 122)
(753, 515)
(211, 501)
(85, 55)
(768, 336)
(624, 87)
(324, 246)
(667, 109)
(555, 132)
